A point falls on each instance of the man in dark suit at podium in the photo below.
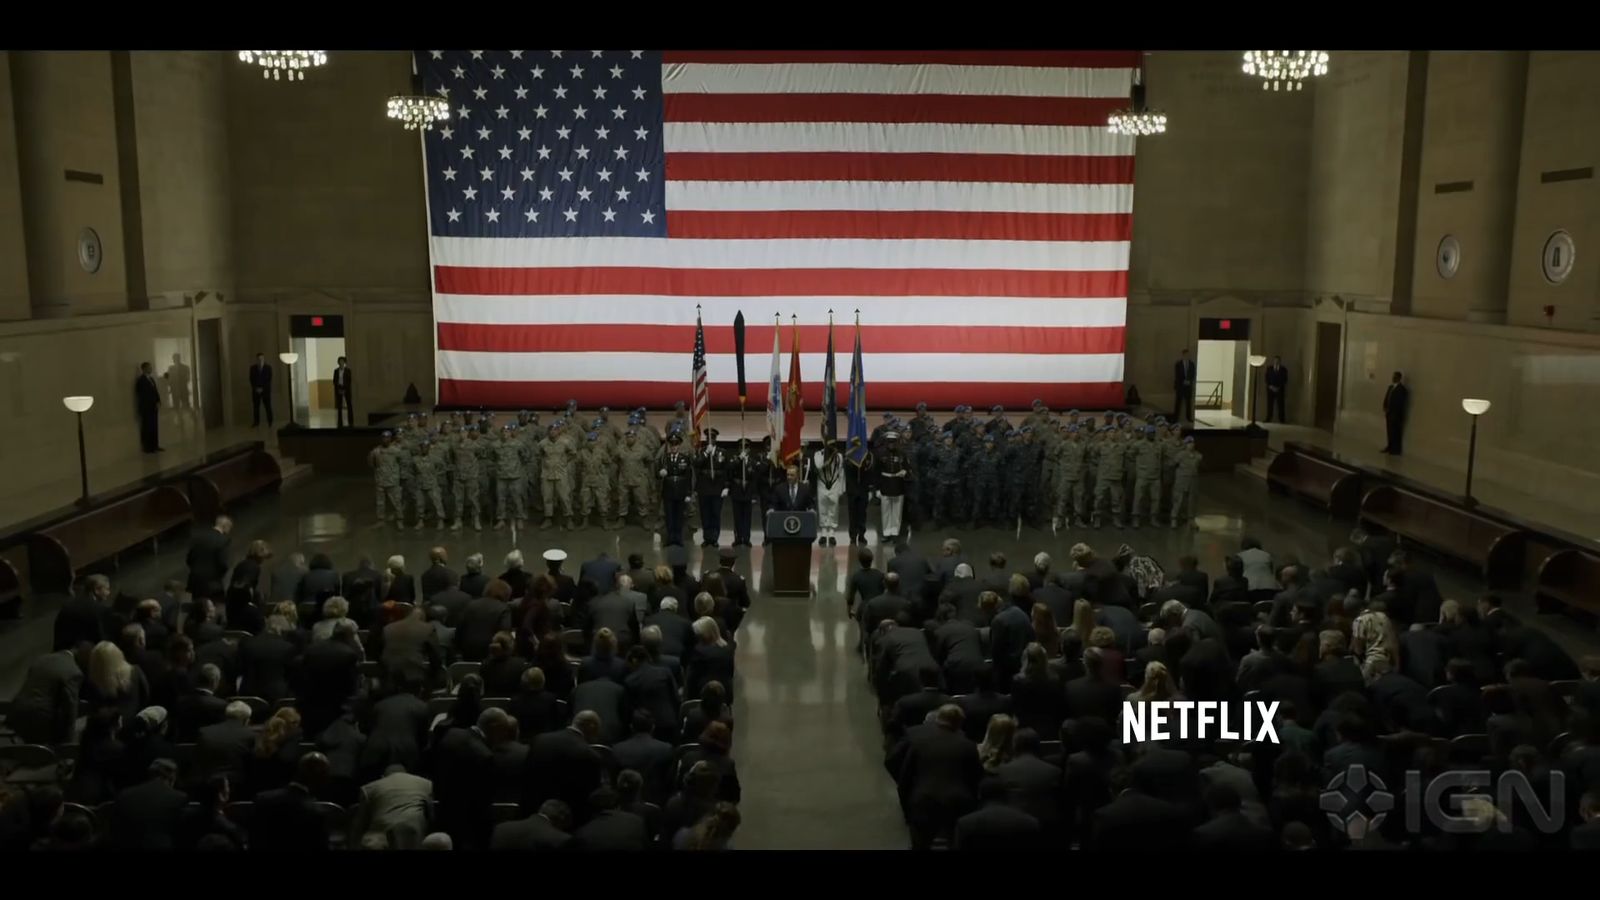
(793, 494)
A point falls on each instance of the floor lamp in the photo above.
(80, 405)
(1474, 408)
(1256, 362)
(289, 358)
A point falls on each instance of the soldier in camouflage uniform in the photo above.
(1072, 463)
(1111, 460)
(1186, 470)
(556, 475)
(947, 472)
(634, 461)
(507, 472)
(464, 462)
(444, 446)
(426, 469)
(985, 468)
(1149, 458)
(386, 461)
(594, 461)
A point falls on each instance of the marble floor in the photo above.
(808, 749)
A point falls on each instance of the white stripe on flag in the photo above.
(873, 137)
(873, 78)
(959, 196)
(721, 368)
(1079, 256)
(612, 309)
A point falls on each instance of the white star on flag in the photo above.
(561, 92)
(447, 132)
(498, 72)
(527, 174)
(566, 174)
(637, 54)
(609, 214)
(563, 132)
(648, 217)
(540, 110)
(463, 112)
(492, 215)
(524, 133)
(616, 71)
(516, 54)
(605, 174)
(436, 54)
(579, 111)
(443, 91)
(602, 133)
(536, 72)
(619, 112)
(544, 152)
(571, 214)
(466, 152)
(546, 193)
(501, 111)
(480, 92)
(577, 71)
(454, 215)
(477, 54)
(583, 194)
(471, 192)
(644, 174)
(640, 133)
(582, 152)
(522, 93)
(483, 133)
(509, 194)
(600, 92)
(458, 71)
(638, 93)
(449, 174)
(505, 152)
(533, 215)
(622, 193)
(622, 153)
(555, 54)
(597, 53)
(487, 174)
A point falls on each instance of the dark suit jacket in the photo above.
(1395, 401)
(708, 662)
(615, 612)
(288, 819)
(1139, 822)
(1033, 786)
(265, 662)
(677, 632)
(261, 377)
(602, 570)
(561, 766)
(911, 709)
(651, 687)
(223, 747)
(463, 770)
(316, 586)
(978, 707)
(1087, 697)
(397, 729)
(883, 606)
(343, 379)
(329, 676)
(146, 396)
(146, 816)
(361, 573)
(803, 498)
(1459, 708)
(194, 711)
(208, 563)
(997, 826)
(962, 593)
(936, 771)
(1009, 634)
(1183, 373)
(435, 579)
(612, 829)
(532, 833)
(912, 567)
(479, 622)
(45, 708)
(609, 701)
(473, 583)
(454, 601)
(652, 759)
(1233, 832)
(958, 646)
(79, 619)
(1056, 599)
(738, 592)
(403, 589)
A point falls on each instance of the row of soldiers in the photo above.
(1068, 469)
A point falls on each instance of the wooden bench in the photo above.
(1328, 484)
(1492, 547)
(213, 488)
(60, 551)
(10, 591)
(1569, 578)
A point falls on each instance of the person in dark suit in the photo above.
(610, 828)
(1458, 703)
(1093, 694)
(608, 700)
(82, 616)
(1183, 387)
(615, 612)
(1335, 673)
(411, 645)
(260, 391)
(937, 772)
(711, 659)
(200, 707)
(982, 704)
(677, 632)
(474, 581)
(602, 570)
(208, 559)
(793, 494)
(482, 619)
(223, 747)
(1055, 598)
(650, 757)
(545, 830)
(1138, 820)
(147, 401)
(911, 709)
(912, 567)
(45, 708)
(1033, 785)
(396, 727)
(318, 584)
(146, 816)
(438, 575)
(265, 661)
(998, 824)
(362, 572)
(1396, 400)
(288, 819)
(561, 766)
(651, 688)
(864, 583)
(1009, 634)
(733, 583)
(958, 647)
(463, 780)
(454, 601)
(902, 662)
(1228, 829)
(329, 675)
(1277, 378)
(345, 410)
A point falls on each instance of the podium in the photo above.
(792, 533)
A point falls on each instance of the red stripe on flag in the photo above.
(778, 282)
(1075, 59)
(941, 108)
(996, 167)
(884, 395)
(892, 224)
(813, 338)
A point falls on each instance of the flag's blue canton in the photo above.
(546, 143)
(699, 346)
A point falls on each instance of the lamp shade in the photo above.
(78, 404)
(288, 357)
(1257, 360)
(1475, 407)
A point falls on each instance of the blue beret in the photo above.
(594, 435)
(997, 408)
(1072, 429)
(1189, 439)
(388, 434)
(922, 406)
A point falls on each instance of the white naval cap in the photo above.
(555, 555)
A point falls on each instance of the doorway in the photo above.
(208, 354)
(320, 342)
(1222, 366)
(1330, 342)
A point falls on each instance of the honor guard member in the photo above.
(425, 468)
(507, 472)
(677, 482)
(710, 486)
(923, 424)
(464, 463)
(1112, 459)
(1186, 470)
(884, 427)
(1072, 463)
(893, 473)
(858, 484)
(765, 474)
(745, 472)
(556, 475)
(633, 477)
(595, 463)
(946, 478)
(985, 469)
(827, 465)
(1149, 457)
(386, 461)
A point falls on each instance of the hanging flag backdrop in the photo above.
(971, 204)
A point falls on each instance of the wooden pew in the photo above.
(1492, 547)
(1332, 486)
(60, 551)
(1569, 578)
(10, 591)
(215, 487)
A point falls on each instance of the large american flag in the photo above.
(970, 204)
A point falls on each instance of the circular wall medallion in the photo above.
(90, 252)
(1556, 261)
(1448, 258)
(791, 525)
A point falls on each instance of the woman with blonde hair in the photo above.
(1076, 637)
(603, 661)
(712, 832)
(711, 659)
(114, 683)
(1045, 630)
(1158, 684)
(1372, 636)
(398, 585)
(996, 750)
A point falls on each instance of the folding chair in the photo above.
(30, 764)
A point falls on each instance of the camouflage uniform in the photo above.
(387, 461)
(634, 460)
(556, 477)
(1149, 457)
(1072, 463)
(507, 473)
(426, 468)
(595, 462)
(1185, 472)
(1111, 460)
(464, 457)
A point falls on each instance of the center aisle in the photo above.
(806, 736)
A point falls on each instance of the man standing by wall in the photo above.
(1395, 401)
(1183, 387)
(346, 411)
(147, 400)
(1277, 385)
(260, 391)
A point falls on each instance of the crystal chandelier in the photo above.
(1137, 120)
(418, 112)
(280, 64)
(1285, 69)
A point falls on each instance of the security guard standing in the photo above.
(677, 481)
(711, 485)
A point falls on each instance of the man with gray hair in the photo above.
(265, 659)
(474, 581)
(397, 800)
(641, 603)
(677, 632)
(962, 593)
(87, 617)
(650, 639)
(223, 747)
(200, 707)
(463, 780)
(286, 577)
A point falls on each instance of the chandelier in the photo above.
(1285, 69)
(1137, 120)
(418, 111)
(278, 64)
